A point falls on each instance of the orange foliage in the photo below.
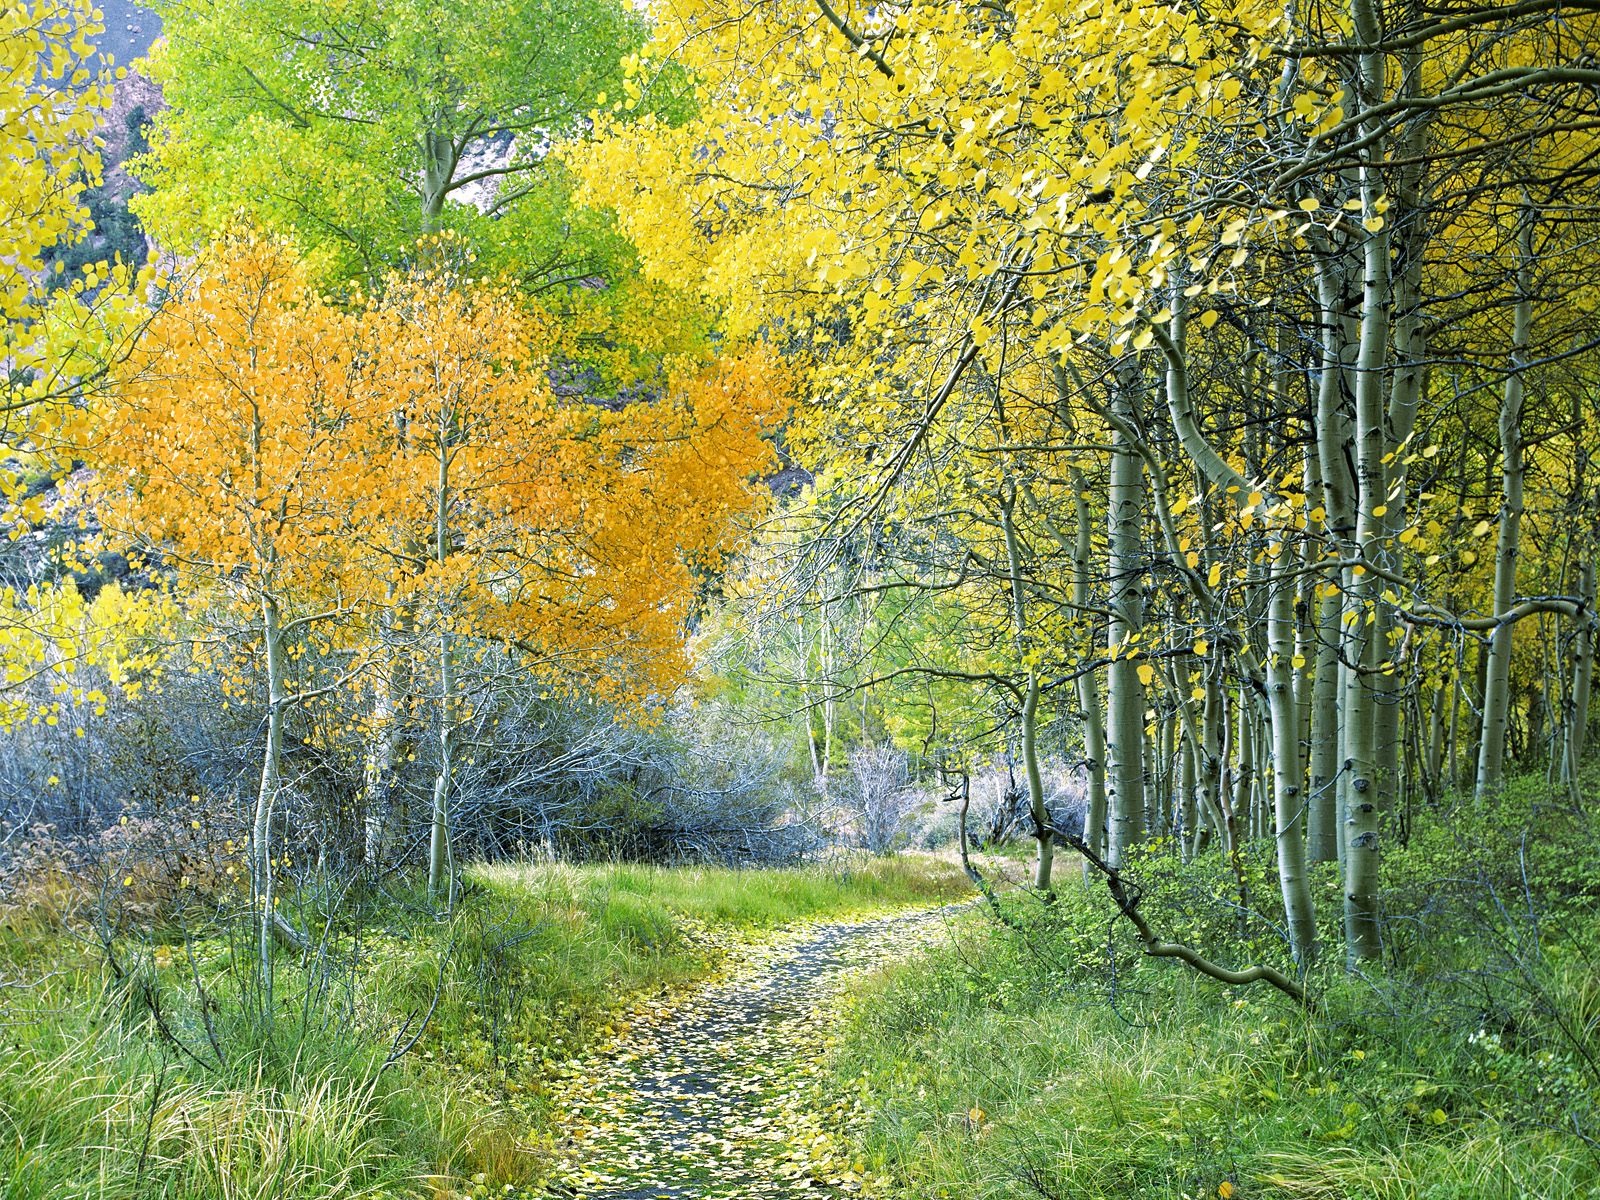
(270, 444)
(243, 435)
(569, 528)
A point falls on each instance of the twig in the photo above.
(149, 1128)
(397, 1051)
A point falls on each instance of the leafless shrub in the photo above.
(882, 798)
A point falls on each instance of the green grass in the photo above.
(97, 1102)
(727, 896)
(1021, 1064)
(976, 1091)
(94, 1103)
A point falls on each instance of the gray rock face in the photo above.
(130, 31)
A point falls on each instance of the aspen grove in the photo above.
(1235, 364)
(992, 598)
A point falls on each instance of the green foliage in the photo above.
(319, 121)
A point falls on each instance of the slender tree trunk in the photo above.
(1582, 676)
(438, 168)
(1330, 777)
(829, 707)
(1434, 767)
(1508, 548)
(1289, 806)
(1188, 784)
(1245, 773)
(812, 745)
(1159, 811)
(1409, 344)
(261, 862)
(1042, 831)
(1210, 797)
(1365, 804)
(1094, 729)
(383, 742)
(441, 875)
(1307, 617)
(1325, 734)
(1125, 694)
(1453, 749)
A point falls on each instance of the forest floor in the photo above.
(713, 1096)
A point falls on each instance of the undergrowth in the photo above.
(1052, 1060)
(406, 1057)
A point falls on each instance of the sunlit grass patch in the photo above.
(732, 896)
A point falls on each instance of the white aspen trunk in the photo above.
(1042, 832)
(1582, 676)
(1094, 730)
(441, 876)
(261, 865)
(1308, 627)
(383, 747)
(829, 709)
(377, 775)
(1030, 763)
(1245, 772)
(1160, 809)
(1453, 749)
(1124, 692)
(1289, 807)
(1210, 797)
(1409, 345)
(1508, 547)
(1367, 788)
(1329, 780)
(1325, 736)
(817, 773)
(1199, 769)
(438, 168)
(1188, 783)
(1436, 742)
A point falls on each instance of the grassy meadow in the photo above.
(403, 1058)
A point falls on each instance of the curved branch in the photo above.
(1127, 901)
(862, 46)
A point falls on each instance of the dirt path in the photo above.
(706, 1100)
